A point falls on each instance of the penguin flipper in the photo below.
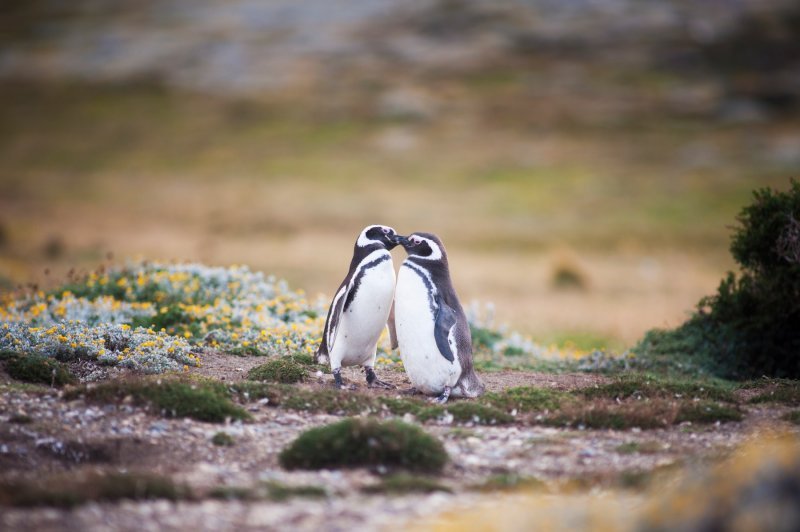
(392, 329)
(445, 321)
(335, 315)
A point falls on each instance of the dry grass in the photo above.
(286, 189)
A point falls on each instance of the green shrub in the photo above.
(39, 369)
(356, 442)
(282, 369)
(751, 326)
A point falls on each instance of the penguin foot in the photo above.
(374, 382)
(442, 399)
(337, 379)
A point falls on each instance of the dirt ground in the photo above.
(73, 436)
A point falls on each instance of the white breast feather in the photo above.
(361, 324)
(427, 369)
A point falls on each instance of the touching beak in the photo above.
(399, 239)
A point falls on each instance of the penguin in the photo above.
(361, 307)
(432, 330)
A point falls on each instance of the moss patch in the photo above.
(508, 482)
(39, 369)
(282, 369)
(274, 491)
(636, 447)
(278, 491)
(613, 416)
(641, 385)
(526, 399)
(358, 442)
(402, 483)
(704, 412)
(780, 391)
(20, 419)
(466, 412)
(75, 489)
(222, 439)
(792, 417)
(643, 414)
(170, 397)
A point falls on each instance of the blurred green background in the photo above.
(583, 161)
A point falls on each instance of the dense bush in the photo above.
(356, 442)
(751, 326)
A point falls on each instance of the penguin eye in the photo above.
(386, 230)
(416, 240)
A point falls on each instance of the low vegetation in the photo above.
(526, 399)
(170, 397)
(360, 442)
(68, 490)
(509, 482)
(269, 491)
(404, 483)
(751, 326)
(283, 369)
(223, 439)
(642, 385)
(38, 369)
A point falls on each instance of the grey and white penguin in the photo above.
(432, 330)
(360, 309)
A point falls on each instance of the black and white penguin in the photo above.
(360, 309)
(432, 330)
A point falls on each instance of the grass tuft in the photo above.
(642, 385)
(357, 442)
(792, 417)
(526, 399)
(612, 416)
(509, 482)
(635, 447)
(466, 412)
(704, 412)
(223, 439)
(170, 397)
(781, 391)
(39, 369)
(277, 491)
(79, 488)
(20, 419)
(284, 370)
(403, 483)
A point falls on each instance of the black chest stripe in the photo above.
(360, 275)
(428, 285)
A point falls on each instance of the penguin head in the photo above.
(378, 234)
(424, 246)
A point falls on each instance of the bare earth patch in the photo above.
(52, 435)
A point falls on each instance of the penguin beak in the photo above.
(399, 239)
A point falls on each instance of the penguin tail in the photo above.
(321, 356)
